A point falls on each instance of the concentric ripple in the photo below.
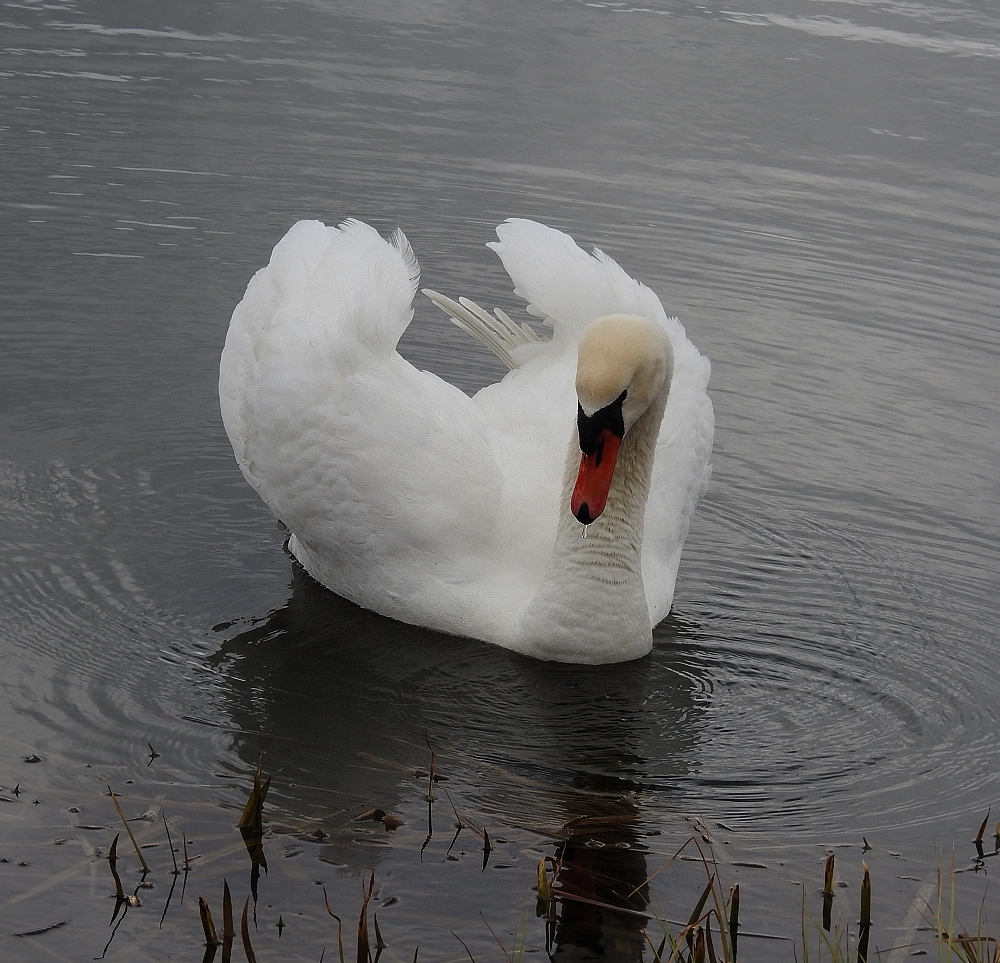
(86, 649)
(844, 694)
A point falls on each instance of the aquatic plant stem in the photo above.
(128, 829)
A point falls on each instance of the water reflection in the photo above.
(601, 883)
(341, 700)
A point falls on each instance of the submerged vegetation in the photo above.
(595, 886)
(711, 933)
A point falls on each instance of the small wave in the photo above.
(848, 30)
(167, 33)
(86, 75)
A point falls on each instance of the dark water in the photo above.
(812, 187)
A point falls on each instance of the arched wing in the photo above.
(384, 473)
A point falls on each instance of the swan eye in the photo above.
(590, 426)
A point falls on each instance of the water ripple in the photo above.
(839, 682)
(84, 641)
(848, 30)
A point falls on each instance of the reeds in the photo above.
(953, 940)
(712, 931)
(212, 939)
(250, 825)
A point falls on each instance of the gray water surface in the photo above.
(812, 187)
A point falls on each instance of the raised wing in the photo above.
(322, 289)
(564, 285)
(384, 473)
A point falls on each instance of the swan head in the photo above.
(623, 363)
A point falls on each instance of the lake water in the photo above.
(813, 186)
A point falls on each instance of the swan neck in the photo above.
(591, 606)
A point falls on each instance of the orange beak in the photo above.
(594, 479)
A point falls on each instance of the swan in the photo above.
(546, 513)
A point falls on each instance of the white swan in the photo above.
(464, 514)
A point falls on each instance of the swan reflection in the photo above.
(345, 704)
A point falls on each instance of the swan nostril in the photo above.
(583, 514)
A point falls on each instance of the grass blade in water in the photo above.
(128, 829)
(828, 891)
(227, 923)
(251, 826)
(696, 913)
(245, 933)
(252, 818)
(979, 836)
(734, 917)
(208, 924)
(866, 916)
(170, 843)
(364, 946)
(113, 863)
(41, 929)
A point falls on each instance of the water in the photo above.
(811, 186)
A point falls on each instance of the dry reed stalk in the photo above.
(128, 829)
(865, 924)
